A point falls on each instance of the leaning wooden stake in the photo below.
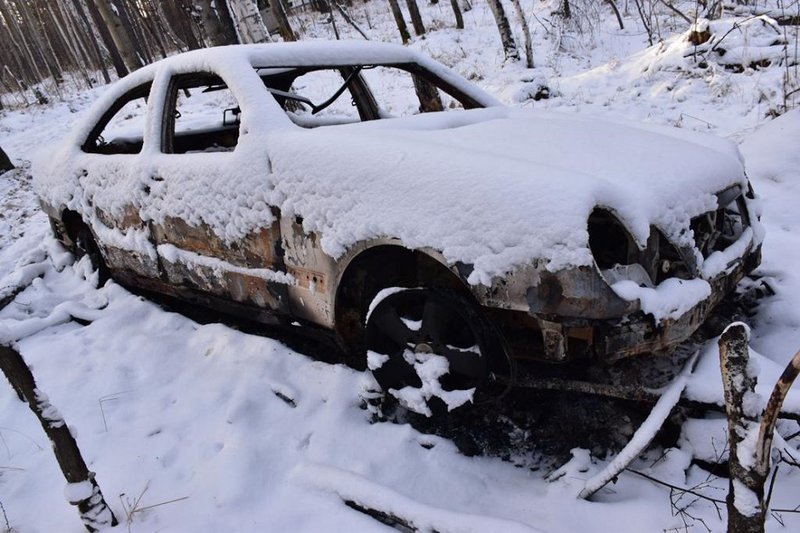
(749, 461)
(82, 489)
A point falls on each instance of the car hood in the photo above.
(496, 188)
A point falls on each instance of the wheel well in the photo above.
(378, 268)
(73, 222)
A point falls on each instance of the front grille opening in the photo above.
(716, 230)
(609, 240)
(668, 261)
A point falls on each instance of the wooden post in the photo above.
(83, 489)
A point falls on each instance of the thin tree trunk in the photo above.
(248, 20)
(458, 14)
(95, 46)
(416, 18)
(66, 27)
(400, 21)
(110, 14)
(428, 95)
(746, 487)
(108, 38)
(284, 27)
(506, 37)
(613, 5)
(84, 490)
(178, 20)
(216, 22)
(347, 18)
(526, 32)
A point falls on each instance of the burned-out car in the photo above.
(365, 190)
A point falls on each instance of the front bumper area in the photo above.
(563, 338)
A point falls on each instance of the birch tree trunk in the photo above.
(249, 25)
(122, 41)
(526, 32)
(400, 21)
(746, 486)
(506, 37)
(84, 491)
(216, 23)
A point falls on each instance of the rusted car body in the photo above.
(278, 272)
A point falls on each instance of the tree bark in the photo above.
(108, 39)
(526, 32)
(216, 22)
(772, 411)
(94, 511)
(87, 26)
(400, 21)
(347, 18)
(416, 18)
(506, 37)
(458, 14)
(428, 95)
(284, 27)
(248, 20)
(745, 500)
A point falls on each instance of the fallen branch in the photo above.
(645, 434)
(347, 18)
(82, 488)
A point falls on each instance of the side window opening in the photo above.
(202, 115)
(121, 128)
(400, 91)
(318, 97)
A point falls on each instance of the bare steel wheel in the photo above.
(431, 350)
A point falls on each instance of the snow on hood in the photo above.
(496, 187)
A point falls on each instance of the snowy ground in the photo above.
(234, 432)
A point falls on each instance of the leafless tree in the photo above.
(526, 32)
(749, 466)
(503, 26)
(458, 14)
(416, 18)
(400, 21)
(111, 15)
(215, 22)
(284, 26)
(250, 26)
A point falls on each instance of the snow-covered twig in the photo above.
(646, 432)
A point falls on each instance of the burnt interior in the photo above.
(610, 242)
(716, 230)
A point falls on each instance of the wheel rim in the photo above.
(426, 349)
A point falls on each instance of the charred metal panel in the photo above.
(315, 271)
(119, 258)
(576, 292)
(256, 251)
